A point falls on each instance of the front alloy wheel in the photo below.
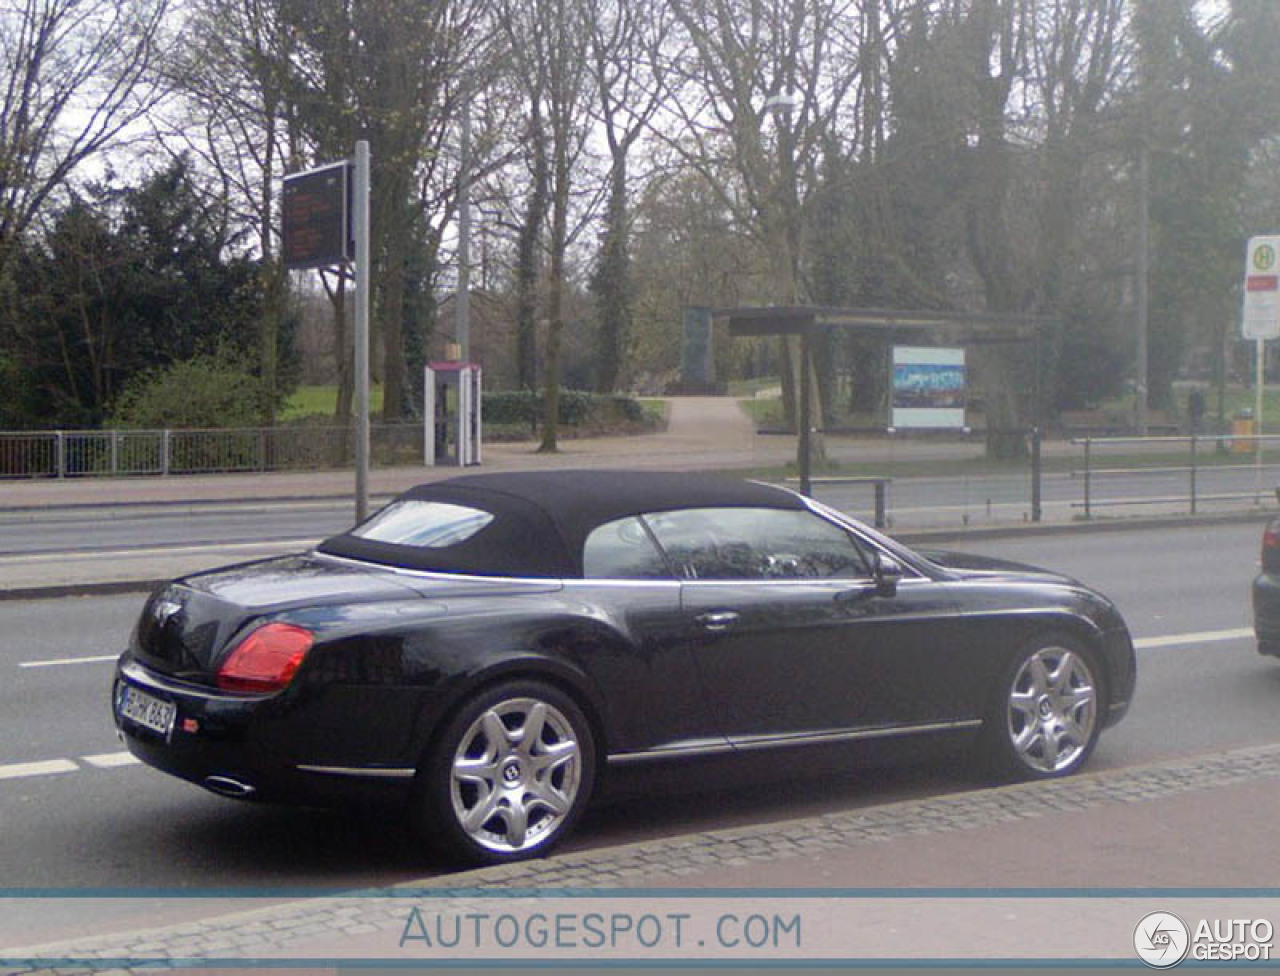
(1053, 709)
(513, 771)
(1047, 720)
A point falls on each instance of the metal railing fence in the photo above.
(1180, 470)
(97, 453)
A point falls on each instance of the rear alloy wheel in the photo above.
(1047, 719)
(511, 774)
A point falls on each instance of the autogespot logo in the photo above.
(1161, 940)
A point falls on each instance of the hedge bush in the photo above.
(578, 408)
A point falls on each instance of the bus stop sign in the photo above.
(1262, 289)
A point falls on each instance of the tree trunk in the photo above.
(615, 284)
(341, 351)
(555, 305)
(527, 259)
(393, 234)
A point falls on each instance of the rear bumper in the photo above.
(1266, 613)
(227, 744)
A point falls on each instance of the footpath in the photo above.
(1020, 876)
(702, 434)
(1028, 876)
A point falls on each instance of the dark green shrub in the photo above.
(204, 392)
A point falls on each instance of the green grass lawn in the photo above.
(765, 411)
(747, 388)
(307, 401)
(655, 408)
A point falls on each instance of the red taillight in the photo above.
(1271, 548)
(266, 660)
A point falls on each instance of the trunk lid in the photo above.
(185, 628)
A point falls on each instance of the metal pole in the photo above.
(1087, 476)
(1193, 474)
(1260, 385)
(364, 261)
(805, 412)
(1036, 470)
(462, 302)
(1144, 178)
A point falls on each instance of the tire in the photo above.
(489, 793)
(1046, 714)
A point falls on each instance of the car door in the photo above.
(649, 677)
(790, 633)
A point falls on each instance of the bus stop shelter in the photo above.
(892, 325)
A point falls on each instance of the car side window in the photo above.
(756, 543)
(622, 550)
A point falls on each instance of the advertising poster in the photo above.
(928, 388)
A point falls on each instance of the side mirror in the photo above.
(888, 573)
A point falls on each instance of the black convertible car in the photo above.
(489, 644)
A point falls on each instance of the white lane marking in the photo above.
(55, 661)
(46, 768)
(1202, 637)
(110, 760)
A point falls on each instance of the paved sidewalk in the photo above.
(702, 433)
(1204, 823)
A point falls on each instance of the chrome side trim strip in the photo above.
(369, 772)
(675, 752)
(851, 735)
(752, 743)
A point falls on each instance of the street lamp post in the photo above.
(781, 105)
(462, 301)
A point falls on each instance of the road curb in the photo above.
(284, 931)
(57, 591)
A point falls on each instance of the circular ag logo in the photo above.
(1264, 257)
(1161, 940)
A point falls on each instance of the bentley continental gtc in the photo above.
(487, 647)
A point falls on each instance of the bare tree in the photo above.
(237, 119)
(549, 55)
(74, 76)
(625, 38)
(754, 66)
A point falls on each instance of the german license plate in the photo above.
(148, 711)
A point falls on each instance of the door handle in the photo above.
(717, 619)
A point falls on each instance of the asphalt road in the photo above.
(73, 815)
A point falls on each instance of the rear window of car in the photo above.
(423, 524)
(623, 550)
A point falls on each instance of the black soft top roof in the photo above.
(542, 518)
